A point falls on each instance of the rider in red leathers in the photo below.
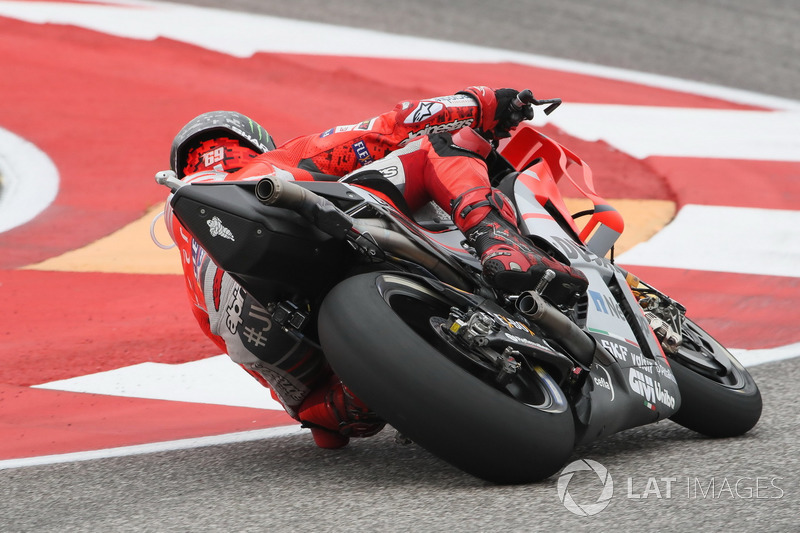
(436, 149)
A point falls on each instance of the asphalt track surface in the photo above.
(286, 484)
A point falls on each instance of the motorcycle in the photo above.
(502, 386)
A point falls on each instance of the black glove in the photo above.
(501, 112)
(509, 113)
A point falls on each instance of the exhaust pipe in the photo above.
(278, 192)
(563, 330)
(265, 190)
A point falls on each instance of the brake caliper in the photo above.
(473, 330)
(666, 318)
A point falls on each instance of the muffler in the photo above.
(561, 329)
(278, 192)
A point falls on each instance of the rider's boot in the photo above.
(334, 414)
(510, 261)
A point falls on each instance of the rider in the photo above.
(437, 148)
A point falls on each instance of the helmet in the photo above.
(225, 139)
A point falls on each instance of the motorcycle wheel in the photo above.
(377, 333)
(719, 398)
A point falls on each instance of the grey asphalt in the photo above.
(286, 484)
(734, 43)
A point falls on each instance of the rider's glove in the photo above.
(510, 261)
(498, 115)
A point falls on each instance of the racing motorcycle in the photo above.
(502, 386)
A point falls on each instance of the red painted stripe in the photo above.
(128, 98)
(739, 310)
(37, 422)
(728, 182)
(58, 325)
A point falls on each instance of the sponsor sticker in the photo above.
(424, 111)
(362, 153)
(456, 100)
(233, 313)
(365, 125)
(649, 389)
(218, 230)
(198, 254)
(439, 128)
(604, 382)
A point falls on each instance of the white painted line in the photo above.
(770, 355)
(215, 380)
(29, 180)
(206, 27)
(218, 381)
(725, 239)
(748, 358)
(644, 131)
(155, 447)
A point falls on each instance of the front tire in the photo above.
(373, 331)
(719, 398)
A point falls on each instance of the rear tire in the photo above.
(373, 328)
(719, 398)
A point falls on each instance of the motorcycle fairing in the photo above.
(543, 163)
(640, 377)
(264, 248)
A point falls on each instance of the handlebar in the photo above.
(526, 97)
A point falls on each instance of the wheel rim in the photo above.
(702, 354)
(424, 311)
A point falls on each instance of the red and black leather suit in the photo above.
(438, 145)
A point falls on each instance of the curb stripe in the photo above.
(155, 447)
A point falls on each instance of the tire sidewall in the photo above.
(712, 408)
(431, 400)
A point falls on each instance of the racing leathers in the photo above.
(432, 149)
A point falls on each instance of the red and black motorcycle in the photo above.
(503, 386)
